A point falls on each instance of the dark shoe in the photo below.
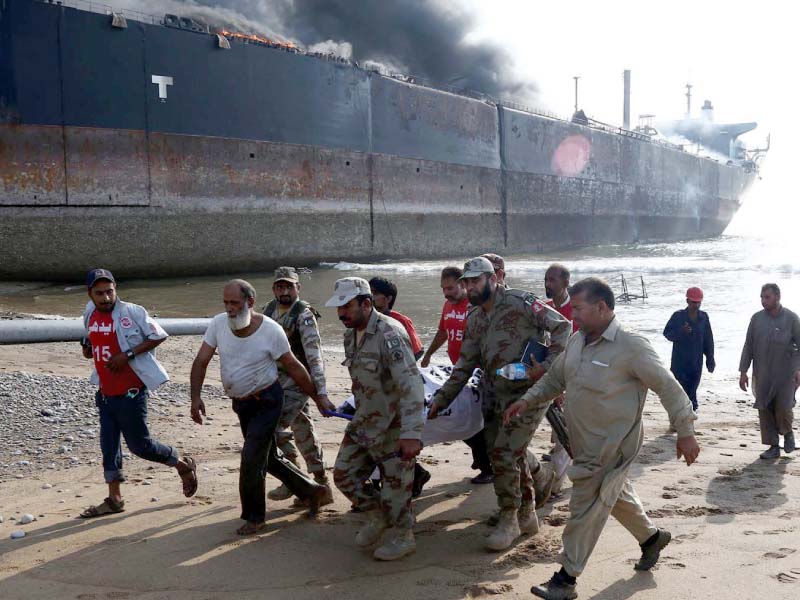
(420, 480)
(482, 478)
(788, 443)
(651, 553)
(555, 589)
(547, 458)
(773, 452)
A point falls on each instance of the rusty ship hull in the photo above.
(156, 152)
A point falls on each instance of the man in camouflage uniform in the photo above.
(387, 426)
(298, 320)
(499, 326)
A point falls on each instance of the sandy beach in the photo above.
(734, 518)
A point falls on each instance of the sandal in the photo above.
(189, 477)
(251, 528)
(109, 506)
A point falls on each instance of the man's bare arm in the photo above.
(198, 375)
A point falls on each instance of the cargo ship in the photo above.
(157, 147)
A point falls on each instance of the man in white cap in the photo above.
(387, 426)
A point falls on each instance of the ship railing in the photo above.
(104, 9)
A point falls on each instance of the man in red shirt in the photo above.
(121, 340)
(384, 294)
(451, 330)
(556, 286)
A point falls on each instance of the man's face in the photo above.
(235, 302)
(353, 314)
(286, 292)
(104, 295)
(588, 316)
(769, 299)
(381, 302)
(479, 288)
(554, 284)
(693, 305)
(453, 290)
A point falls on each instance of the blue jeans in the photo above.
(127, 415)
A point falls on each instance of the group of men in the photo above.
(271, 365)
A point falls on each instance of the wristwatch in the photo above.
(130, 354)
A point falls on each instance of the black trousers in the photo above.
(258, 418)
(480, 453)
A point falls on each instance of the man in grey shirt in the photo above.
(773, 346)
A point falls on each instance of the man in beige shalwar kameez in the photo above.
(606, 372)
(772, 342)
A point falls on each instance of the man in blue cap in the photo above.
(121, 339)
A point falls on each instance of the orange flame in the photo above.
(256, 38)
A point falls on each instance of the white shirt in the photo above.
(247, 364)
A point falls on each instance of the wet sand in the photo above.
(734, 518)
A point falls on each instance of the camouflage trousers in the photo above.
(295, 423)
(355, 463)
(512, 462)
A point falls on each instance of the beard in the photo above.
(284, 300)
(478, 298)
(240, 321)
(548, 292)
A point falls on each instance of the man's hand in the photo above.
(433, 411)
(744, 382)
(535, 372)
(87, 351)
(516, 409)
(198, 410)
(426, 360)
(408, 449)
(711, 365)
(324, 405)
(687, 329)
(688, 448)
(796, 379)
(559, 401)
(117, 362)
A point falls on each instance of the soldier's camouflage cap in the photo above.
(496, 260)
(475, 267)
(348, 288)
(286, 274)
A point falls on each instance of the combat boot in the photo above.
(528, 520)
(543, 481)
(506, 531)
(372, 530)
(400, 543)
(788, 443)
(280, 493)
(558, 588)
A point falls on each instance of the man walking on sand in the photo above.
(773, 346)
(299, 321)
(689, 330)
(250, 345)
(387, 426)
(122, 339)
(605, 371)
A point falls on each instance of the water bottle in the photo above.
(513, 372)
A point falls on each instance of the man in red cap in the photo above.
(689, 330)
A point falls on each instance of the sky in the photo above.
(739, 55)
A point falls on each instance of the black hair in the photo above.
(596, 289)
(363, 297)
(773, 287)
(562, 271)
(452, 272)
(381, 285)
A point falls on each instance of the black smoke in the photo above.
(424, 38)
